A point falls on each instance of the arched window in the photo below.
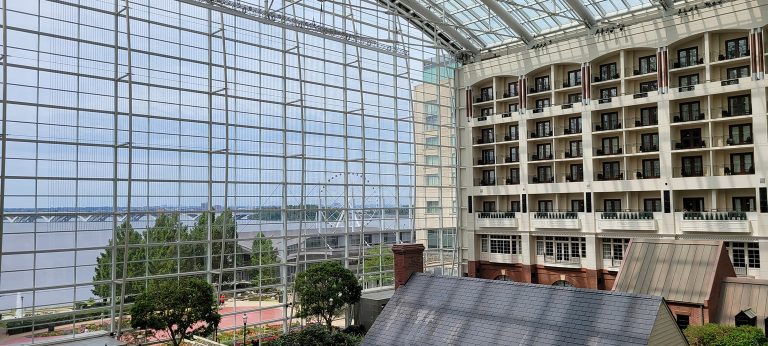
(562, 283)
(503, 278)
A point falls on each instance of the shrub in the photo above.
(720, 335)
(317, 335)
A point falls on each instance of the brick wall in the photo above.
(409, 259)
(578, 277)
(696, 314)
(489, 270)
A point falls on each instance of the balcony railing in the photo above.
(732, 112)
(736, 170)
(511, 158)
(627, 221)
(688, 116)
(639, 174)
(568, 83)
(647, 121)
(496, 215)
(486, 161)
(715, 221)
(605, 78)
(687, 172)
(604, 100)
(729, 55)
(537, 157)
(570, 154)
(556, 220)
(562, 259)
(719, 141)
(689, 143)
(611, 150)
(511, 93)
(571, 178)
(512, 181)
(571, 131)
(684, 88)
(496, 219)
(608, 126)
(560, 215)
(541, 134)
(539, 89)
(509, 137)
(484, 140)
(740, 271)
(687, 62)
(612, 175)
(485, 182)
(639, 71)
(542, 179)
(484, 98)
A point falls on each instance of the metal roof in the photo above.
(441, 310)
(740, 295)
(474, 25)
(678, 270)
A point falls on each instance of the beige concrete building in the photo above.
(652, 126)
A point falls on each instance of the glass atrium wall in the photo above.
(219, 144)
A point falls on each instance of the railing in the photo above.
(731, 112)
(570, 131)
(719, 141)
(541, 134)
(732, 81)
(487, 161)
(686, 172)
(537, 157)
(642, 148)
(539, 110)
(604, 100)
(608, 126)
(512, 181)
(733, 170)
(496, 215)
(540, 89)
(511, 159)
(729, 55)
(639, 71)
(570, 154)
(684, 88)
(542, 179)
(482, 118)
(485, 182)
(611, 150)
(612, 175)
(567, 106)
(715, 215)
(563, 259)
(483, 139)
(484, 98)
(570, 178)
(688, 62)
(689, 143)
(605, 78)
(688, 116)
(639, 122)
(639, 174)
(559, 215)
(506, 115)
(511, 93)
(626, 215)
(509, 137)
(740, 271)
(568, 84)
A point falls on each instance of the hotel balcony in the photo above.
(496, 219)
(501, 258)
(627, 221)
(715, 221)
(556, 220)
(560, 260)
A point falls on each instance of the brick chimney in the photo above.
(409, 259)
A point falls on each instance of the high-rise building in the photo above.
(651, 126)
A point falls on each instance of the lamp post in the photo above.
(245, 321)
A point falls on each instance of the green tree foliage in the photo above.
(317, 335)
(135, 258)
(180, 308)
(169, 247)
(264, 253)
(721, 335)
(324, 289)
(378, 259)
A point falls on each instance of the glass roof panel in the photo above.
(476, 21)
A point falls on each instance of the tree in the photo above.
(200, 233)
(181, 308)
(162, 240)
(324, 289)
(378, 259)
(263, 253)
(135, 262)
(721, 335)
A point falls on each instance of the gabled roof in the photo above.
(438, 310)
(742, 294)
(678, 270)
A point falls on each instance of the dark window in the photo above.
(574, 149)
(608, 71)
(489, 206)
(742, 319)
(611, 146)
(739, 134)
(546, 205)
(488, 157)
(692, 166)
(577, 172)
(577, 205)
(738, 72)
(544, 151)
(513, 154)
(543, 129)
(609, 121)
(514, 107)
(682, 321)
(687, 57)
(612, 205)
(736, 48)
(743, 203)
(489, 177)
(742, 163)
(688, 81)
(652, 205)
(541, 83)
(689, 111)
(739, 105)
(514, 176)
(647, 64)
(486, 135)
(651, 169)
(612, 171)
(690, 138)
(693, 204)
(514, 206)
(574, 125)
(574, 78)
(562, 283)
(649, 116)
(511, 89)
(607, 93)
(486, 112)
(542, 103)
(513, 133)
(574, 98)
(649, 142)
(486, 94)
(544, 174)
(648, 86)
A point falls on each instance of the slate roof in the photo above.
(739, 294)
(678, 270)
(438, 310)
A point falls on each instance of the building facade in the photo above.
(651, 128)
